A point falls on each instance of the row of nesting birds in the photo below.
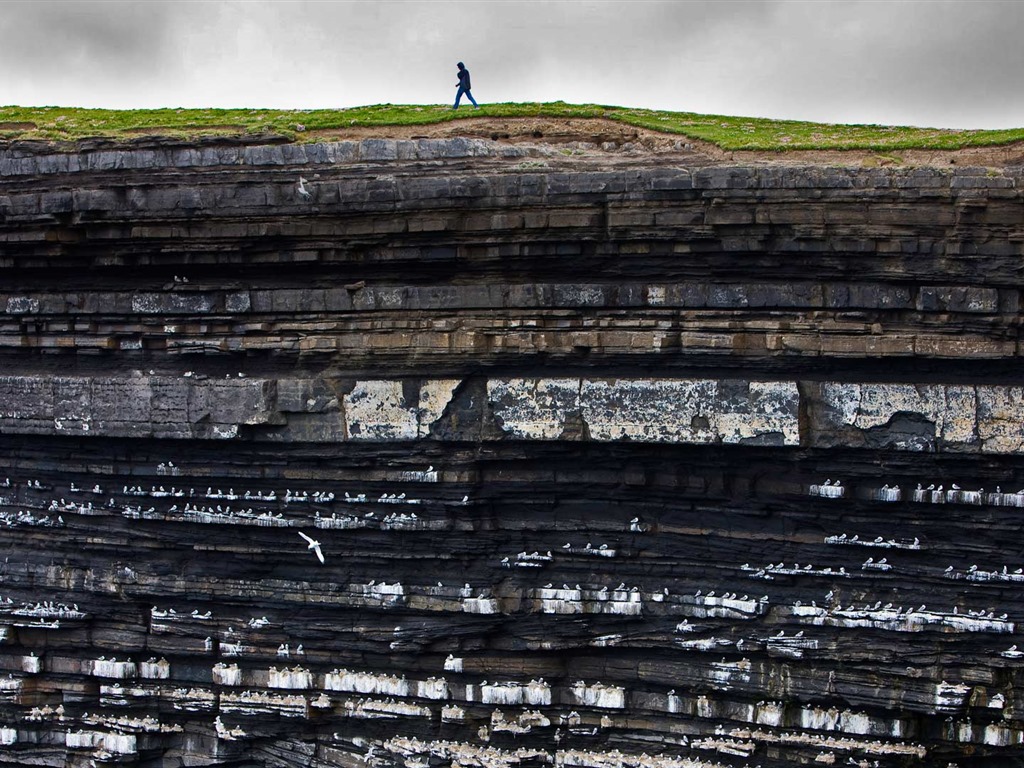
(931, 495)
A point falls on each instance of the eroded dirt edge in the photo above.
(598, 135)
(610, 141)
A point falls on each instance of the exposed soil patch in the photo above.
(602, 136)
(563, 140)
(510, 129)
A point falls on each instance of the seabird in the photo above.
(302, 189)
(314, 545)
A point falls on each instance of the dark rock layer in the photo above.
(637, 463)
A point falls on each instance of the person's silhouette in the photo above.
(464, 86)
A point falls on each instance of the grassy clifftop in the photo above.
(730, 133)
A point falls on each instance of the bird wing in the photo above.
(319, 554)
(305, 537)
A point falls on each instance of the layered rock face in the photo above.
(410, 453)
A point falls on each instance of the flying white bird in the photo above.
(314, 545)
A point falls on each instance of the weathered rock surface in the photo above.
(659, 465)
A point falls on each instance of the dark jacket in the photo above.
(464, 79)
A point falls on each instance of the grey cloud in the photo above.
(94, 34)
(930, 62)
(924, 63)
(83, 53)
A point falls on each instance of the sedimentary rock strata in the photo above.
(639, 462)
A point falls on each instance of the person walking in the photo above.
(464, 86)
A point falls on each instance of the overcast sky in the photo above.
(919, 62)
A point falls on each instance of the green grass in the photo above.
(729, 133)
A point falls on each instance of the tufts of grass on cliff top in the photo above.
(730, 133)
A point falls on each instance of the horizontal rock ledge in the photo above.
(932, 417)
